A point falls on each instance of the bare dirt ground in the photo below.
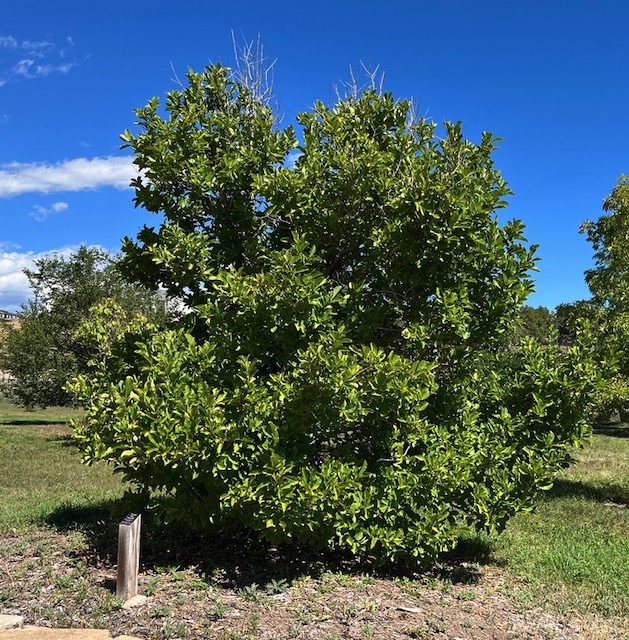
(245, 590)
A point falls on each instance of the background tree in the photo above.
(609, 284)
(535, 322)
(43, 352)
(339, 378)
(568, 316)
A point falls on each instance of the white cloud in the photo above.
(28, 68)
(14, 289)
(40, 214)
(79, 174)
(8, 42)
(30, 59)
(36, 45)
(58, 207)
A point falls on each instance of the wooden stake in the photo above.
(128, 556)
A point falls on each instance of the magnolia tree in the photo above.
(340, 377)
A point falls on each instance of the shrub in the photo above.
(339, 379)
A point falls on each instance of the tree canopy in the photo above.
(339, 378)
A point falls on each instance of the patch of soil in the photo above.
(245, 590)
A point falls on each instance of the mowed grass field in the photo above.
(573, 550)
(41, 470)
(570, 557)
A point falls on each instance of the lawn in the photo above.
(574, 549)
(560, 572)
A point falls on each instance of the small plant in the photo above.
(159, 611)
(174, 629)
(254, 622)
(64, 581)
(436, 624)
(369, 604)
(198, 585)
(150, 588)
(176, 575)
(7, 595)
(252, 592)
(275, 587)
(417, 633)
(216, 611)
(466, 595)
(110, 603)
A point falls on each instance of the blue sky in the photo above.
(549, 77)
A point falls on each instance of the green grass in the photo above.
(573, 551)
(13, 415)
(40, 469)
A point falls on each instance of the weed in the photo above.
(216, 611)
(275, 586)
(254, 622)
(436, 624)
(7, 596)
(198, 585)
(252, 592)
(64, 581)
(150, 588)
(159, 611)
(174, 629)
(109, 604)
(369, 604)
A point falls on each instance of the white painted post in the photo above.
(128, 556)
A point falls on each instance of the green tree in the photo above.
(535, 322)
(609, 284)
(608, 280)
(339, 378)
(569, 315)
(43, 352)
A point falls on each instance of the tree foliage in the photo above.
(538, 323)
(609, 284)
(43, 352)
(339, 378)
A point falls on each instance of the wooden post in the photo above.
(128, 556)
